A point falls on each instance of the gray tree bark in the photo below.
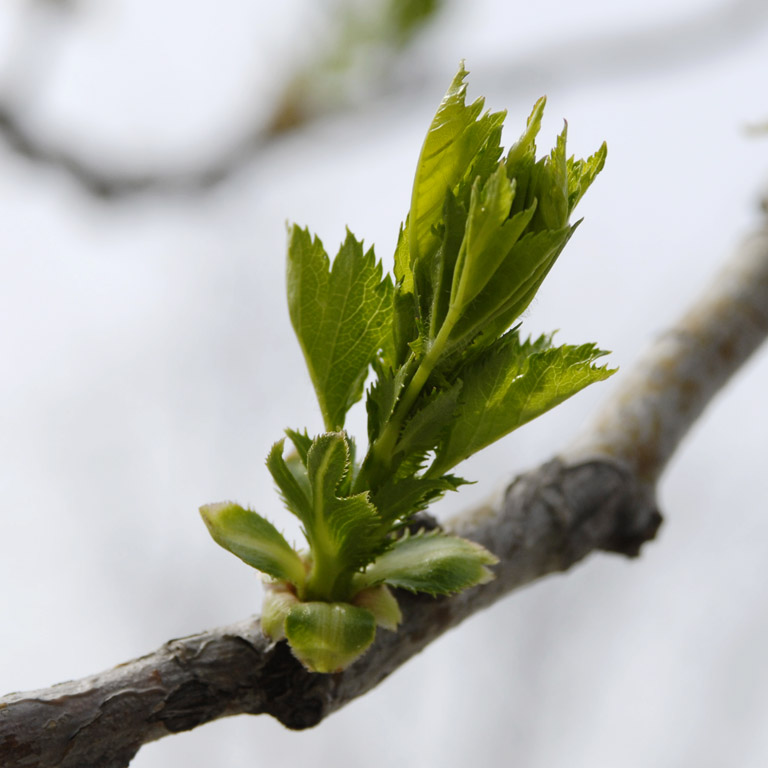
(598, 495)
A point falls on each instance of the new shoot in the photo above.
(452, 374)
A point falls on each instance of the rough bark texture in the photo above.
(669, 387)
(548, 520)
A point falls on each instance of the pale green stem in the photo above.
(383, 448)
(326, 580)
(323, 576)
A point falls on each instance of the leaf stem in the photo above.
(383, 448)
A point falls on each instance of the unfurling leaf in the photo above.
(254, 540)
(491, 232)
(511, 384)
(327, 637)
(454, 139)
(341, 317)
(514, 284)
(581, 174)
(294, 491)
(345, 532)
(398, 500)
(432, 563)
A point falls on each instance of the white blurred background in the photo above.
(149, 363)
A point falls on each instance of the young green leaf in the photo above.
(402, 268)
(302, 442)
(254, 540)
(511, 384)
(277, 604)
(581, 174)
(524, 149)
(428, 424)
(327, 637)
(550, 185)
(294, 491)
(435, 300)
(521, 159)
(342, 315)
(399, 499)
(514, 284)
(431, 562)
(454, 138)
(490, 235)
(345, 533)
(382, 604)
(382, 396)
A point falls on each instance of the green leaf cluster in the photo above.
(451, 375)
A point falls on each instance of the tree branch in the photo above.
(599, 496)
(312, 93)
(550, 519)
(669, 387)
(108, 185)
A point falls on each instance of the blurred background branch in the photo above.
(352, 62)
